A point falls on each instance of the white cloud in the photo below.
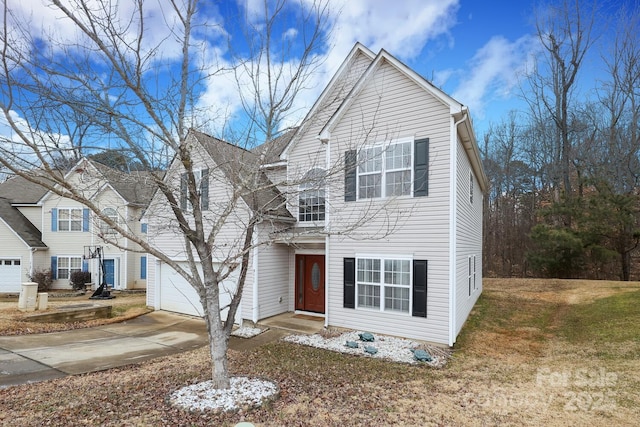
(493, 72)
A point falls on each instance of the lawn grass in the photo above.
(532, 353)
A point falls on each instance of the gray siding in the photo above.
(468, 239)
(391, 106)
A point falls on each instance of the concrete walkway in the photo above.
(31, 358)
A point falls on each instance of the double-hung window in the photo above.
(202, 185)
(384, 284)
(70, 219)
(67, 265)
(311, 202)
(385, 171)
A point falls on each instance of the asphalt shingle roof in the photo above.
(238, 164)
(20, 225)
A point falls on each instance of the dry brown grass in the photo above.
(12, 321)
(519, 361)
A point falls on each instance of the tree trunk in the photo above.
(218, 339)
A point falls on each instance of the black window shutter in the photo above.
(349, 283)
(421, 168)
(350, 160)
(183, 191)
(419, 288)
(204, 189)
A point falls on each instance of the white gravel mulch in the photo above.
(389, 348)
(249, 392)
(243, 393)
(247, 332)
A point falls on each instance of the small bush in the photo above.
(79, 278)
(43, 278)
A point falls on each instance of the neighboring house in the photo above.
(40, 230)
(384, 233)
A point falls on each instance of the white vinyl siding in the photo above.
(419, 226)
(468, 240)
(273, 280)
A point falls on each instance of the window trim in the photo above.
(471, 185)
(317, 191)
(106, 228)
(68, 269)
(202, 185)
(70, 219)
(383, 285)
(386, 145)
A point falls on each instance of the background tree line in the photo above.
(564, 196)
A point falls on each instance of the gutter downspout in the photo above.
(453, 228)
(255, 306)
(327, 271)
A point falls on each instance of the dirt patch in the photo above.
(559, 291)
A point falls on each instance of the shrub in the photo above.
(43, 278)
(79, 278)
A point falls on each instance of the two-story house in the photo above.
(382, 229)
(40, 230)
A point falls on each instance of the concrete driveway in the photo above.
(32, 358)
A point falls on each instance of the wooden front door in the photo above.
(310, 283)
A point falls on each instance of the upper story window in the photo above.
(202, 183)
(70, 219)
(311, 201)
(400, 168)
(112, 214)
(385, 171)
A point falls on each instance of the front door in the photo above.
(110, 272)
(310, 283)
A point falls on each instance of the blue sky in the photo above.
(474, 50)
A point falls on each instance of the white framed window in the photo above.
(311, 200)
(472, 275)
(202, 183)
(385, 171)
(68, 265)
(384, 284)
(70, 219)
(112, 214)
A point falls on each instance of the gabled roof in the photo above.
(238, 164)
(19, 190)
(457, 110)
(25, 230)
(358, 50)
(271, 150)
(135, 187)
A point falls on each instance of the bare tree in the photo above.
(565, 34)
(110, 81)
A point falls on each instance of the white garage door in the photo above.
(177, 295)
(10, 275)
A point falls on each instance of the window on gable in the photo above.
(67, 265)
(112, 214)
(202, 183)
(385, 171)
(70, 219)
(383, 284)
(311, 201)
